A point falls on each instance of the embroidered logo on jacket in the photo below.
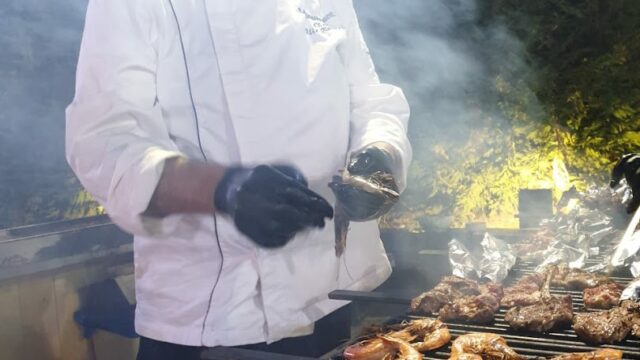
(319, 25)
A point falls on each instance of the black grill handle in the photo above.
(364, 296)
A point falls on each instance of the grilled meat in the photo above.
(580, 280)
(603, 327)
(632, 309)
(477, 309)
(604, 296)
(371, 349)
(599, 354)
(403, 350)
(479, 346)
(455, 298)
(493, 289)
(422, 335)
(382, 348)
(561, 272)
(551, 312)
(449, 289)
(525, 291)
(576, 279)
(534, 248)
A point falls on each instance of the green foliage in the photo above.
(576, 99)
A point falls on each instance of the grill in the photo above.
(527, 344)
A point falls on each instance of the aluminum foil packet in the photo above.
(492, 263)
(497, 259)
(576, 236)
(463, 263)
(635, 267)
(632, 291)
(564, 253)
(628, 247)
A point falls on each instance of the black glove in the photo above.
(369, 161)
(367, 189)
(629, 168)
(270, 204)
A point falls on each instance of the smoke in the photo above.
(39, 42)
(447, 59)
(441, 57)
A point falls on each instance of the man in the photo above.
(210, 129)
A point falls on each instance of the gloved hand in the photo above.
(270, 204)
(367, 189)
(629, 168)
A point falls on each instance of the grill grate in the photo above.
(528, 344)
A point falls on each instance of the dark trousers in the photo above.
(329, 332)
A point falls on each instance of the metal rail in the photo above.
(47, 247)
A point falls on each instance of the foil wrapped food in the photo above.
(635, 267)
(563, 253)
(632, 291)
(575, 235)
(492, 263)
(573, 238)
(628, 248)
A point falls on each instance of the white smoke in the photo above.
(446, 61)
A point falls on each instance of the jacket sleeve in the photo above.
(379, 112)
(116, 139)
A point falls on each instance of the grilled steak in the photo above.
(550, 313)
(633, 310)
(478, 309)
(576, 279)
(611, 326)
(604, 296)
(449, 289)
(455, 298)
(523, 292)
(603, 327)
(534, 247)
(561, 272)
(580, 280)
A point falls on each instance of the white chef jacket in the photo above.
(240, 82)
